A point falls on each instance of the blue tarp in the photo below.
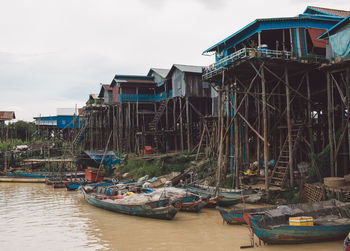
(340, 43)
(109, 159)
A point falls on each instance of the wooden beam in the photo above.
(251, 127)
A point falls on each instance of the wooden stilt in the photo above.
(174, 123)
(264, 110)
(330, 125)
(188, 126)
(289, 126)
(236, 137)
(309, 124)
(221, 143)
(181, 127)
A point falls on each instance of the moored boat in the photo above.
(153, 208)
(330, 221)
(234, 216)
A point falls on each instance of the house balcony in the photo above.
(143, 97)
(244, 53)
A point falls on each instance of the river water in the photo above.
(38, 217)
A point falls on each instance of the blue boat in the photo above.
(234, 216)
(331, 221)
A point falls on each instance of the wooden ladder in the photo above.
(79, 137)
(280, 172)
(153, 124)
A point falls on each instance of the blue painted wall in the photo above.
(63, 121)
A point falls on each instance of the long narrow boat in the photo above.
(220, 200)
(159, 209)
(234, 216)
(331, 221)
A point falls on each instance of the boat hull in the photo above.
(162, 212)
(298, 234)
(194, 206)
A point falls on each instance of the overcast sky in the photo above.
(54, 53)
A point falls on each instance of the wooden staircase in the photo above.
(79, 137)
(153, 124)
(280, 172)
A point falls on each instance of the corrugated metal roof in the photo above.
(7, 115)
(162, 72)
(189, 68)
(133, 77)
(335, 12)
(314, 33)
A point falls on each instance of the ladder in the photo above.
(79, 137)
(281, 170)
(153, 124)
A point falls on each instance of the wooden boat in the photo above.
(219, 200)
(21, 180)
(331, 221)
(159, 209)
(235, 216)
(192, 203)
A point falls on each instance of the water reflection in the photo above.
(36, 217)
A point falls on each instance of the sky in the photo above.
(54, 53)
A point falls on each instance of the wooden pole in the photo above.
(103, 157)
(264, 110)
(227, 139)
(330, 125)
(289, 126)
(181, 127)
(221, 144)
(309, 123)
(236, 137)
(246, 135)
(188, 126)
(258, 150)
(174, 123)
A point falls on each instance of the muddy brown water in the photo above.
(38, 217)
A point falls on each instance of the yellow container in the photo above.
(301, 221)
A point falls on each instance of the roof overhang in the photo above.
(301, 21)
(333, 29)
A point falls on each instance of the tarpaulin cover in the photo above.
(109, 159)
(340, 43)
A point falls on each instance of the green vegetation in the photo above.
(137, 167)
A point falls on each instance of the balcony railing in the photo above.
(143, 97)
(217, 67)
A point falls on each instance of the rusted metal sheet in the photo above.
(7, 115)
